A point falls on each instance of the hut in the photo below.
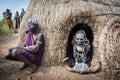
(60, 19)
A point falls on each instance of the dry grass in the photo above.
(111, 48)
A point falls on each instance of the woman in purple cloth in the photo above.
(32, 50)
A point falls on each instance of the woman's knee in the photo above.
(7, 55)
(15, 53)
(13, 48)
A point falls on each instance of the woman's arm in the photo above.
(35, 48)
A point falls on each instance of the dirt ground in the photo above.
(9, 70)
(7, 41)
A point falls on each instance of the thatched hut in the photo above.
(60, 19)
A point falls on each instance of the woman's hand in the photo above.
(32, 48)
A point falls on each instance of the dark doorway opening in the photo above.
(89, 35)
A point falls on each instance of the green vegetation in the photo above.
(4, 29)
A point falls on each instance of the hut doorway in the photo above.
(89, 35)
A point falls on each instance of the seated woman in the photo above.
(32, 50)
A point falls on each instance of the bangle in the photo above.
(39, 42)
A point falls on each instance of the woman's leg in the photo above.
(9, 56)
(17, 54)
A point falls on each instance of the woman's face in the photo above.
(32, 28)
